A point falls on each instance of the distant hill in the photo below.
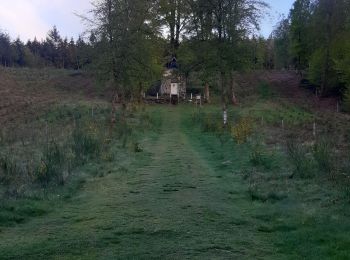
(26, 92)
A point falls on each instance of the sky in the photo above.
(277, 9)
(34, 18)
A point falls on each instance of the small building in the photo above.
(173, 84)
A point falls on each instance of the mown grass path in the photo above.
(173, 202)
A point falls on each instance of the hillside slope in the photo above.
(26, 92)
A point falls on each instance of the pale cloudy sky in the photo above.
(278, 8)
(30, 18)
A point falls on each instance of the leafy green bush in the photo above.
(316, 70)
(318, 63)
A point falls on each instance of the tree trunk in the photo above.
(324, 84)
(233, 95)
(207, 92)
(115, 101)
(223, 88)
(172, 23)
(178, 25)
(141, 93)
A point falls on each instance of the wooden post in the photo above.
(47, 135)
(282, 124)
(157, 95)
(234, 99)
(207, 92)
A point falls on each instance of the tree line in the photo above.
(210, 39)
(54, 51)
(315, 39)
(130, 42)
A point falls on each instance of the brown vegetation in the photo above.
(25, 93)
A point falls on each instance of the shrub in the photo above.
(303, 165)
(242, 130)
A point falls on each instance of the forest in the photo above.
(173, 129)
(315, 40)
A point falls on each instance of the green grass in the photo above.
(294, 210)
(273, 113)
(185, 194)
(265, 92)
(42, 163)
(19, 211)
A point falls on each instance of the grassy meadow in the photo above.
(171, 182)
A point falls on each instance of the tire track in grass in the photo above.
(169, 204)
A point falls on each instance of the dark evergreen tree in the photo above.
(5, 49)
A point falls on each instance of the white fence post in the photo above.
(225, 116)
